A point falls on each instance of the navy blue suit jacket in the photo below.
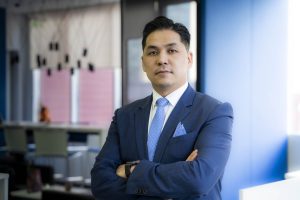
(208, 125)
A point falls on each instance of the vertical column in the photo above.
(2, 64)
(2, 71)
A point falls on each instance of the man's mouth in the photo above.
(162, 72)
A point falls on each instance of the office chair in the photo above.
(15, 139)
(53, 143)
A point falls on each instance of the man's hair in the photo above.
(163, 23)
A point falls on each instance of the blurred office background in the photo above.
(81, 59)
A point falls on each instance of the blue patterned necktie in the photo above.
(156, 126)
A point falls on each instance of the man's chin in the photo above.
(163, 87)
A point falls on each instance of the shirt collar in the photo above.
(173, 98)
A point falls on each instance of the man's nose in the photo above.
(162, 59)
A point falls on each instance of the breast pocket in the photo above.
(179, 148)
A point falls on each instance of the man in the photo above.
(173, 144)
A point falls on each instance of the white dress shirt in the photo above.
(172, 98)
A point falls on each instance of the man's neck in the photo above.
(166, 91)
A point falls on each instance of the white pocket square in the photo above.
(180, 130)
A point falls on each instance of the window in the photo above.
(186, 13)
(75, 56)
(135, 83)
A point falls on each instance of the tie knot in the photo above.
(162, 102)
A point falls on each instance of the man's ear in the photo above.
(143, 63)
(190, 58)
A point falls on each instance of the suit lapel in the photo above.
(181, 110)
(141, 127)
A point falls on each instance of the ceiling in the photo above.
(31, 6)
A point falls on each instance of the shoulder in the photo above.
(141, 103)
(210, 104)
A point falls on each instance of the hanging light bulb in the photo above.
(49, 72)
(67, 58)
(51, 46)
(91, 67)
(78, 64)
(85, 51)
(56, 46)
(59, 67)
(72, 70)
(38, 61)
(44, 62)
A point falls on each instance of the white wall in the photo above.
(280, 190)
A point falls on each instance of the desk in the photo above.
(4, 186)
(74, 190)
(53, 192)
(23, 194)
(96, 129)
(96, 136)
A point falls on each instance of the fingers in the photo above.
(193, 155)
(121, 171)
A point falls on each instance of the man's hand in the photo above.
(121, 171)
(192, 156)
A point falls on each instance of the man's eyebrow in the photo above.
(155, 47)
(171, 44)
(151, 47)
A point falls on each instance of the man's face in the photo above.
(166, 61)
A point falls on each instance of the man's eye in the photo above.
(152, 53)
(172, 50)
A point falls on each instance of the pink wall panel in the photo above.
(55, 94)
(96, 97)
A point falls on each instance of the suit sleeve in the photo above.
(196, 178)
(105, 184)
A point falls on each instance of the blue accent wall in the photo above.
(2, 63)
(244, 60)
(2, 69)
